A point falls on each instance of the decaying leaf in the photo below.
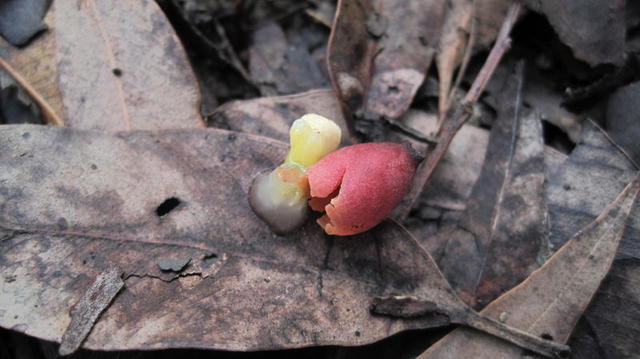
(21, 20)
(594, 29)
(497, 241)
(576, 193)
(301, 290)
(550, 302)
(91, 67)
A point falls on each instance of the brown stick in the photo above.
(460, 114)
(48, 112)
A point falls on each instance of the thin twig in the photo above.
(502, 44)
(48, 112)
(460, 114)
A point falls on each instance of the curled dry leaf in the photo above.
(550, 302)
(58, 233)
(92, 69)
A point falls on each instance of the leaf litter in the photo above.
(376, 29)
(501, 234)
(310, 275)
(99, 78)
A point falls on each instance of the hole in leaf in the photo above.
(546, 336)
(167, 206)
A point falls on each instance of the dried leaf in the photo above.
(272, 116)
(453, 42)
(550, 302)
(453, 180)
(405, 54)
(622, 120)
(470, 26)
(384, 84)
(593, 29)
(280, 68)
(501, 233)
(37, 63)
(576, 193)
(112, 68)
(58, 233)
(15, 105)
(21, 20)
(350, 53)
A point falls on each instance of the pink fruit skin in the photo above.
(372, 179)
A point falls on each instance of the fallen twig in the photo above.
(459, 114)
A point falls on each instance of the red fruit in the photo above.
(358, 186)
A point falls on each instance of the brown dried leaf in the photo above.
(384, 84)
(451, 49)
(111, 67)
(501, 233)
(453, 180)
(272, 116)
(405, 54)
(470, 26)
(550, 302)
(75, 203)
(594, 29)
(37, 63)
(576, 193)
(350, 53)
